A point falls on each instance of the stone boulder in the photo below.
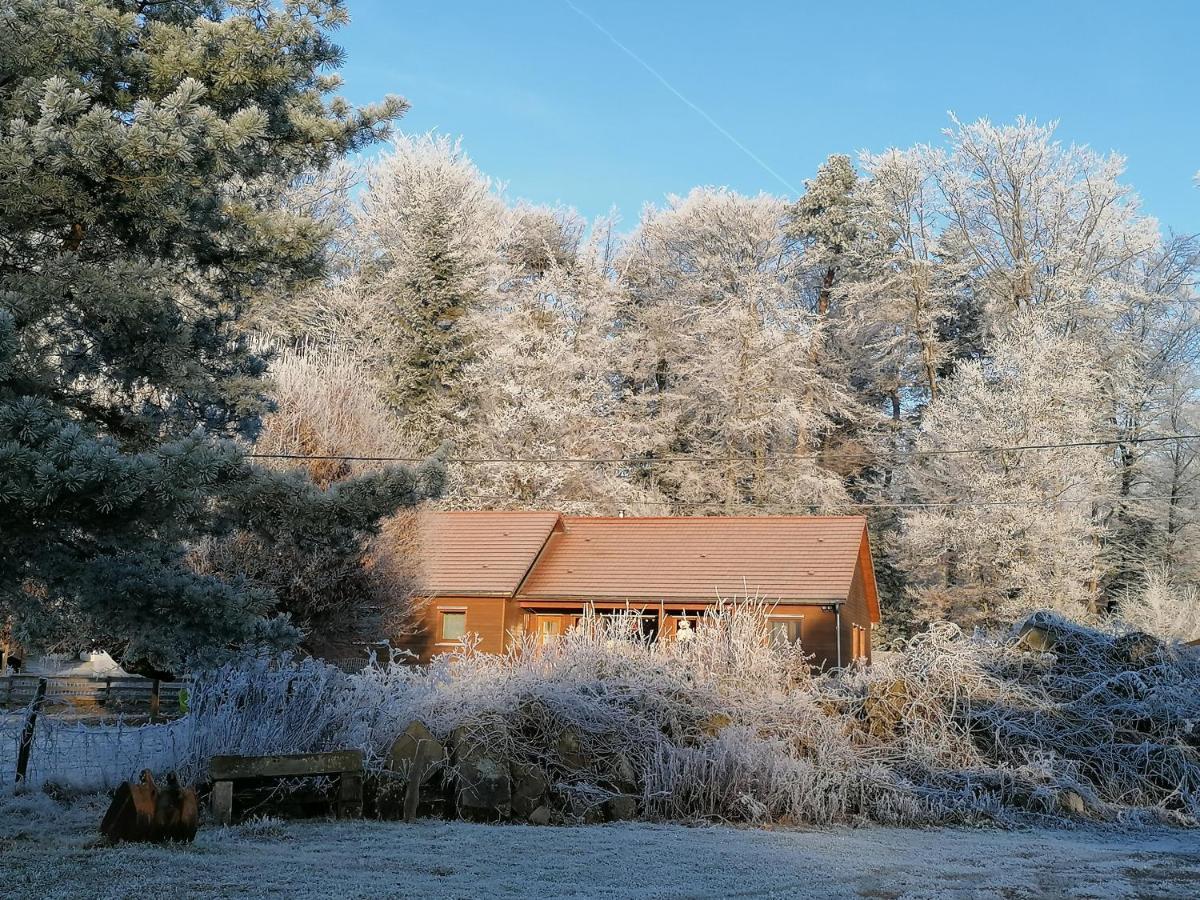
(1036, 638)
(416, 758)
(529, 790)
(1072, 802)
(885, 707)
(569, 747)
(1139, 650)
(484, 789)
(541, 816)
(483, 784)
(621, 808)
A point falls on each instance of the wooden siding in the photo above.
(486, 617)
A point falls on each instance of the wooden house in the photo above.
(499, 575)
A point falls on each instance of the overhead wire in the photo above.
(693, 459)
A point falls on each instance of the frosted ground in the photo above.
(48, 850)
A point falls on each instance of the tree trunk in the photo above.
(826, 292)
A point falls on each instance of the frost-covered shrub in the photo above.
(726, 726)
(1164, 607)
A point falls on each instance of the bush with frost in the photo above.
(728, 727)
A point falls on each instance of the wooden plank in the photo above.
(222, 802)
(350, 796)
(228, 768)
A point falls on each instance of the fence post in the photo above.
(154, 699)
(27, 734)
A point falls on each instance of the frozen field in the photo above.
(46, 851)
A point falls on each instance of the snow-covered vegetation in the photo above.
(1064, 721)
(981, 343)
(985, 343)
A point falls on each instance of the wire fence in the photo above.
(81, 733)
(79, 755)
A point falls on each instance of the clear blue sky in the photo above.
(547, 103)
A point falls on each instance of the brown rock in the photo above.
(1036, 639)
(540, 816)
(484, 789)
(529, 788)
(570, 749)
(624, 776)
(1138, 649)
(621, 808)
(1073, 803)
(885, 706)
(416, 756)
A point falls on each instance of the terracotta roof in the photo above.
(784, 558)
(545, 556)
(480, 553)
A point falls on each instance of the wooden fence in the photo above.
(127, 693)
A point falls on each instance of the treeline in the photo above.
(828, 353)
(196, 287)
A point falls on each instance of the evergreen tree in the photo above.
(824, 220)
(144, 152)
(429, 230)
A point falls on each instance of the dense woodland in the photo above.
(835, 352)
(983, 343)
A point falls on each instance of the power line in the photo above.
(658, 460)
(811, 507)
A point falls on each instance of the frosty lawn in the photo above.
(47, 850)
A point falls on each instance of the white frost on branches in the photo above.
(1024, 535)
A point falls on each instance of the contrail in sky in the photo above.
(670, 87)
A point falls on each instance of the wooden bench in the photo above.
(347, 765)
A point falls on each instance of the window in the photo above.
(454, 625)
(784, 631)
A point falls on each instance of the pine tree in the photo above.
(144, 154)
(429, 231)
(824, 221)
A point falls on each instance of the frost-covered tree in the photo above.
(1040, 225)
(144, 157)
(823, 219)
(1004, 532)
(1150, 354)
(715, 347)
(539, 384)
(429, 231)
(321, 552)
(903, 289)
(1164, 605)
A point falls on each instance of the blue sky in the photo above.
(545, 102)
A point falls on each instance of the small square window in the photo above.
(454, 625)
(784, 631)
